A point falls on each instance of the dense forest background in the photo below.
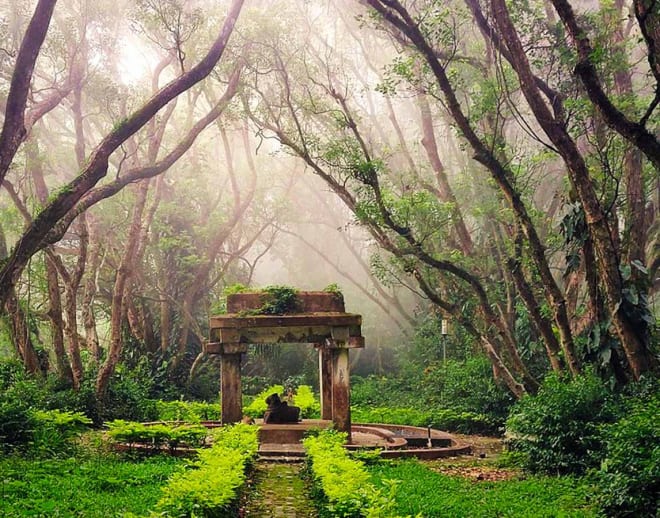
(488, 164)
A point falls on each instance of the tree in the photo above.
(96, 167)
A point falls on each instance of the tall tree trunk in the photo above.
(19, 328)
(89, 294)
(32, 240)
(57, 325)
(119, 304)
(13, 129)
(446, 193)
(396, 15)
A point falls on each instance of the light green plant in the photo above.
(332, 468)
(305, 399)
(188, 411)
(156, 435)
(211, 485)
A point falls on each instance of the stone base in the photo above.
(289, 433)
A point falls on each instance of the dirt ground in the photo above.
(484, 464)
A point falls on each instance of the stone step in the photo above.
(294, 450)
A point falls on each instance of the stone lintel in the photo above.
(225, 348)
(331, 319)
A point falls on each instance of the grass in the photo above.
(93, 486)
(427, 493)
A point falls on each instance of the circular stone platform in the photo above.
(283, 441)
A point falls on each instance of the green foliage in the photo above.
(333, 288)
(210, 486)
(459, 396)
(23, 422)
(279, 300)
(559, 428)
(188, 411)
(54, 430)
(17, 423)
(423, 492)
(258, 405)
(466, 386)
(305, 399)
(92, 486)
(629, 476)
(156, 435)
(344, 482)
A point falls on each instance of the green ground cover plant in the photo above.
(423, 492)
(211, 484)
(55, 431)
(188, 411)
(92, 486)
(157, 435)
(344, 484)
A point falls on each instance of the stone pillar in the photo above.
(230, 383)
(341, 401)
(325, 382)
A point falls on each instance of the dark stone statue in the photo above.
(280, 412)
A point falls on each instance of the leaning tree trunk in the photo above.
(56, 323)
(19, 327)
(119, 304)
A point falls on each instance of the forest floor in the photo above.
(277, 490)
(483, 464)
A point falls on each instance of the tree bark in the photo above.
(57, 325)
(119, 304)
(635, 133)
(13, 129)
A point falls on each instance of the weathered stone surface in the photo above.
(325, 382)
(341, 403)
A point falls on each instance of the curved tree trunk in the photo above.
(119, 304)
(57, 325)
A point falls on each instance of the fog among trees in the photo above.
(488, 163)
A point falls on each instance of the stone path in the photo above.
(278, 491)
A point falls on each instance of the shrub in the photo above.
(558, 429)
(188, 411)
(211, 486)
(54, 430)
(344, 482)
(629, 476)
(16, 424)
(443, 419)
(305, 399)
(156, 435)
